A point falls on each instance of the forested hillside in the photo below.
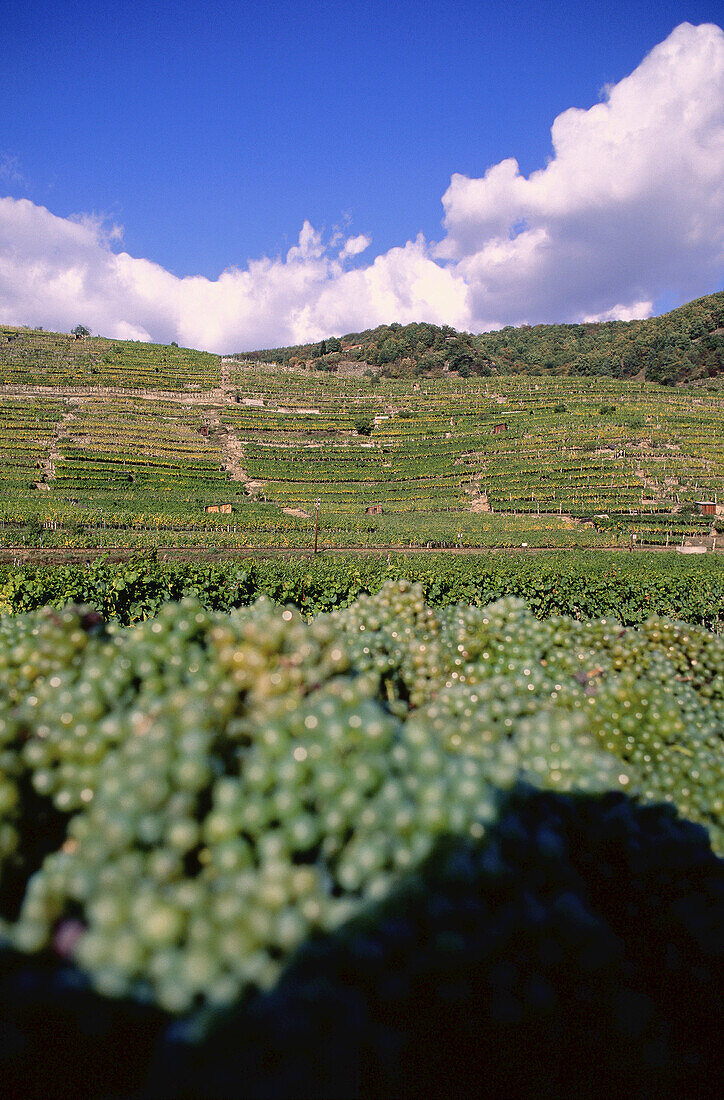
(391, 350)
(681, 346)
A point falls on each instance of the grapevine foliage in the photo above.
(586, 585)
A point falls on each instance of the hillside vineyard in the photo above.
(117, 444)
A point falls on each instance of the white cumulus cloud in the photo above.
(629, 208)
(353, 246)
(58, 272)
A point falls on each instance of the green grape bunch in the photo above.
(222, 787)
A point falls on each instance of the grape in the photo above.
(203, 792)
(581, 932)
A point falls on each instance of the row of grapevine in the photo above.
(629, 588)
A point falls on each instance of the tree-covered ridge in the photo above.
(681, 346)
(684, 345)
(395, 350)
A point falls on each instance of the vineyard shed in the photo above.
(374, 510)
(502, 427)
(707, 507)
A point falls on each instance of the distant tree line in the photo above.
(681, 346)
(392, 350)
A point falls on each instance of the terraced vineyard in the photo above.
(478, 462)
(28, 429)
(32, 357)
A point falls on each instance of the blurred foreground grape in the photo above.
(188, 804)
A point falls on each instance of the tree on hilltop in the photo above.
(80, 332)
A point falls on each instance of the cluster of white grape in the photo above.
(230, 784)
(587, 927)
(32, 650)
(546, 694)
(583, 932)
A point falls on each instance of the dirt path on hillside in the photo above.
(480, 502)
(62, 431)
(87, 393)
(224, 365)
(657, 492)
(232, 452)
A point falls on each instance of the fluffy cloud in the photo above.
(630, 207)
(58, 272)
(354, 245)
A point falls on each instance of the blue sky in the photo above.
(211, 132)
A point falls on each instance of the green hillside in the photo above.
(497, 460)
(33, 357)
(681, 346)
